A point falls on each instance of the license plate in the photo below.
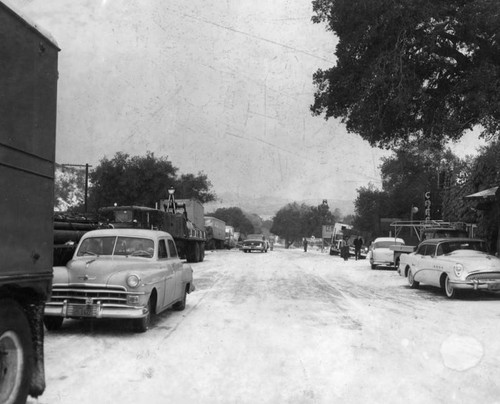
(494, 286)
(81, 310)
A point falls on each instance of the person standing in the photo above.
(304, 242)
(358, 243)
(344, 248)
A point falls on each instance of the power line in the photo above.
(251, 35)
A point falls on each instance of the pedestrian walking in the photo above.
(358, 244)
(304, 242)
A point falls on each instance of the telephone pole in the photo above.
(86, 179)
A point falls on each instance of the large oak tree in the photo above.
(411, 69)
(143, 180)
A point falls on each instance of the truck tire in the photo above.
(200, 252)
(192, 252)
(196, 252)
(16, 353)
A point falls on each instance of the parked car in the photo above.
(120, 273)
(380, 252)
(254, 245)
(452, 264)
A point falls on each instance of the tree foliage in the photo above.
(142, 180)
(370, 206)
(234, 217)
(413, 171)
(197, 187)
(69, 188)
(469, 176)
(407, 176)
(294, 221)
(411, 69)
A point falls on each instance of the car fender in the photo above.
(60, 275)
(187, 277)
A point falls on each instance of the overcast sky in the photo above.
(219, 86)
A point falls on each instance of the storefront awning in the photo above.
(486, 194)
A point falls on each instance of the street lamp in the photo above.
(171, 199)
(413, 210)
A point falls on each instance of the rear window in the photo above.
(449, 247)
(386, 244)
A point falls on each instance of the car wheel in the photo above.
(142, 324)
(411, 280)
(373, 266)
(449, 290)
(16, 351)
(181, 304)
(53, 323)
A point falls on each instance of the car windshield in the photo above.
(113, 245)
(252, 242)
(451, 246)
(386, 244)
(123, 216)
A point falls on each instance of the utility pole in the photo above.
(86, 179)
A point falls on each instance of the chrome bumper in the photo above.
(475, 284)
(98, 311)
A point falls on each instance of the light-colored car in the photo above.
(254, 245)
(380, 252)
(451, 264)
(120, 273)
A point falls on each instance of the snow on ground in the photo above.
(287, 327)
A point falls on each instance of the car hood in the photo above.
(96, 270)
(473, 260)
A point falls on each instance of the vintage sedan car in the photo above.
(452, 264)
(380, 252)
(120, 273)
(250, 245)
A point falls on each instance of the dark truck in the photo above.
(216, 233)
(173, 218)
(28, 85)
(68, 230)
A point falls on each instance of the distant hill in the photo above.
(267, 206)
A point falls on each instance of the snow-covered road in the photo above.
(287, 327)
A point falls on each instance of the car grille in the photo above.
(89, 295)
(485, 276)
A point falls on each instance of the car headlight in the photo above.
(458, 269)
(133, 281)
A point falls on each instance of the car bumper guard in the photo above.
(96, 310)
(476, 284)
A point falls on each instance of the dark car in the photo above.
(254, 245)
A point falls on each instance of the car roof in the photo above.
(126, 232)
